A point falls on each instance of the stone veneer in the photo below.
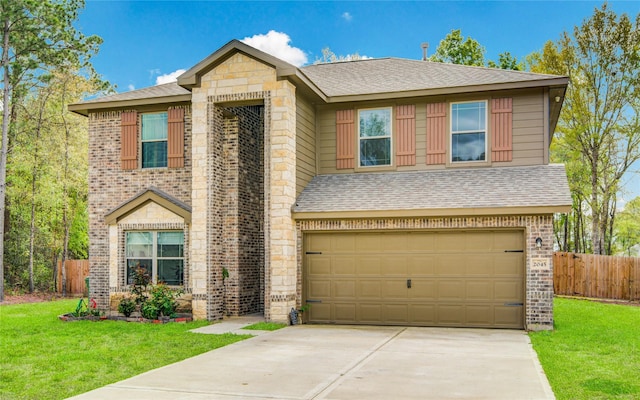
(110, 186)
(243, 81)
(539, 282)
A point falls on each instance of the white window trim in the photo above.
(153, 140)
(154, 255)
(358, 138)
(486, 132)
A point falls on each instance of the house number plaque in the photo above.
(539, 263)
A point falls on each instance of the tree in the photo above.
(506, 61)
(628, 228)
(34, 35)
(599, 120)
(455, 49)
(329, 56)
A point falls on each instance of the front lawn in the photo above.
(42, 357)
(594, 352)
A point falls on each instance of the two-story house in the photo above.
(379, 191)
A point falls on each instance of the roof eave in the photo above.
(85, 108)
(432, 212)
(559, 82)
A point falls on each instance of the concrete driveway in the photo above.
(350, 362)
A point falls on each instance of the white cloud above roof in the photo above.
(277, 44)
(170, 77)
(347, 16)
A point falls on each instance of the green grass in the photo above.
(42, 357)
(265, 326)
(594, 352)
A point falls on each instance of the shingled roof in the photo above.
(480, 191)
(389, 75)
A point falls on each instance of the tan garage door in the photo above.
(450, 278)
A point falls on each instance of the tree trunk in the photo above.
(5, 143)
(596, 237)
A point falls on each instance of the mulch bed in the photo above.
(36, 297)
(180, 318)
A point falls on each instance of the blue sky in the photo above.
(147, 42)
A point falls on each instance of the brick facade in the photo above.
(110, 186)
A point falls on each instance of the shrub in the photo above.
(127, 306)
(149, 310)
(164, 299)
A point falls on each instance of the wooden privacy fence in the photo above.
(76, 271)
(589, 275)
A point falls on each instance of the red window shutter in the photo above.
(129, 140)
(406, 135)
(436, 133)
(501, 129)
(345, 139)
(175, 138)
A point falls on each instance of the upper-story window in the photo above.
(374, 136)
(469, 131)
(161, 254)
(154, 140)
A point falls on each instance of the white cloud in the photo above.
(131, 87)
(347, 16)
(170, 77)
(277, 44)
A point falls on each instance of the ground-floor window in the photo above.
(161, 253)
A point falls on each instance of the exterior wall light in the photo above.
(538, 243)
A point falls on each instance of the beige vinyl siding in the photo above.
(305, 144)
(528, 129)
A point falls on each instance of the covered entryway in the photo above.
(461, 278)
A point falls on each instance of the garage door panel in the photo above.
(451, 315)
(368, 242)
(395, 313)
(344, 265)
(320, 312)
(479, 264)
(451, 290)
(423, 314)
(508, 290)
(319, 289)
(423, 290)
(506, 240)
(368, 265)
(478, 315)
(343, 243)
(508, 264)
(344, 312)
(320, 243)
(421, 242)
(319, 265)
(395, 289)
(478, 241)
(505, 316)
(370, 313)
(371, 289)
(421, 265)
(479, 290)
(343, 289)
(458, 278)
(451, 264)
(393, 265)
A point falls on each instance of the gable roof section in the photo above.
(540, 189)
(152, 194)
(159, 94)
(373, 79)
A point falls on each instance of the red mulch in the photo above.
(36, 297)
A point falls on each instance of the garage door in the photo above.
(451, 278)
